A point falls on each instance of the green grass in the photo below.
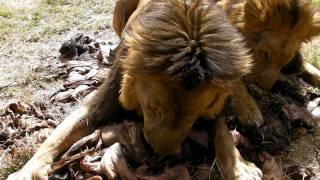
(311, 53)
(22, 22)
(5, 12)
(47, 18)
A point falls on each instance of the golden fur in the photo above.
(176, 72)
(180, 60)
(177, 62)
(274, 31)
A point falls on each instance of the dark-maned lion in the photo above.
(274, 31)
(176, 62)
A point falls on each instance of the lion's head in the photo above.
(179, 59)
(274, 30)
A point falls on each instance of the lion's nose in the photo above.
(163, 146)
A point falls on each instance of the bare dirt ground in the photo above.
(31, 33)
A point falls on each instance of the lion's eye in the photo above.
(156, 110)
(264, 55)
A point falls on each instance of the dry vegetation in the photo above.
(31, 33)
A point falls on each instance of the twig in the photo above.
(14, 83)
(212, 169)
(69, 159)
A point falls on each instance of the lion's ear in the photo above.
(259, 15)
(122, 12)
(299, 17)
(308, 25)
(248, 15)
(307, 21)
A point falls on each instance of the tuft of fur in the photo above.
(189, 40)
(274, 31)
(298, 16)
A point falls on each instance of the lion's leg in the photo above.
(230, 161)
(311, 74)
(308, 72)
(245, 106)
(122, 11)
(69, 131)
(224, 152)
(104, 105)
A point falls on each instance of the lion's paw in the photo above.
(31, 171)
(249, 115)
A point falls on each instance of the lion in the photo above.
(177, 61)
(274, 31)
